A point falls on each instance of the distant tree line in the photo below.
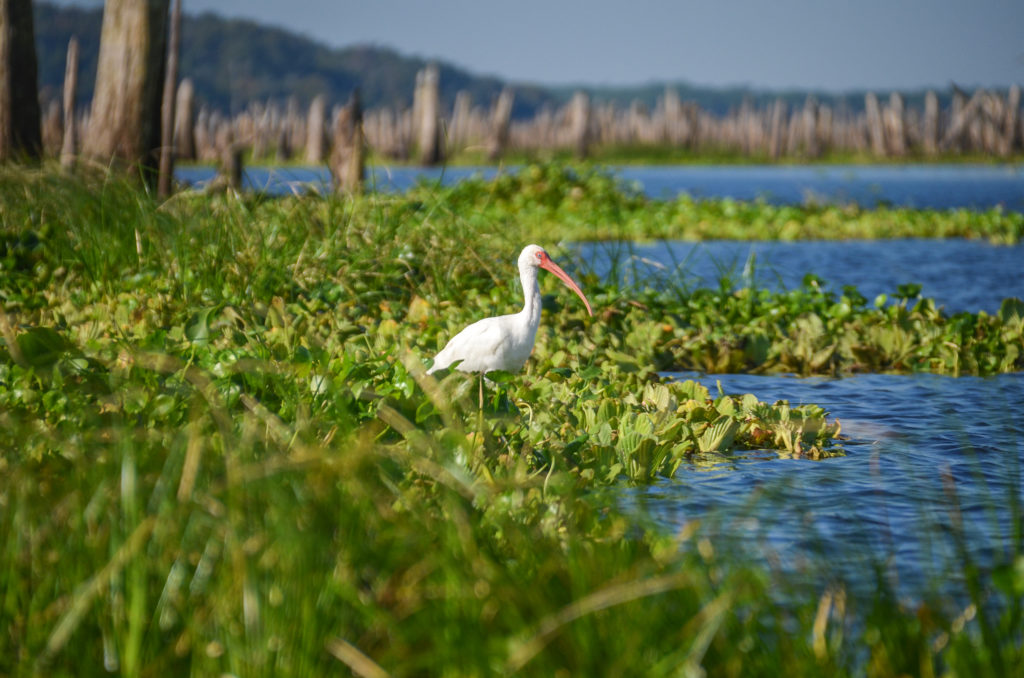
(280, 89)
(234, 63)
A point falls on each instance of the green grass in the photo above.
(220, 453)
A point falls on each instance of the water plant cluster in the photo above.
(221, 453)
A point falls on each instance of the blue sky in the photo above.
(768, 44)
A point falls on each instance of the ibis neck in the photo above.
(531, 294)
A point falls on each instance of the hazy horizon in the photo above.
(789, 45)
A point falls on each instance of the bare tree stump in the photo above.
(316, 132)
(963, 115)
(1011, 122)
(501, 116)
(229, 157)
(809, 127)
(69, 147)
(459, 132)
(776, 141)
(429, 148)
(165, 178)
(930, 126)
(124, 124)
(876, 128)
(184, 122)
(579, 124)
(896, 134)
(20, 132)
(348, 156)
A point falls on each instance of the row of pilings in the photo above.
(984, 123)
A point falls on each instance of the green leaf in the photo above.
(719, 436)
(42, 346)
(197, 329)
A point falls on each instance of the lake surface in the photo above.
(932, 186)
(961, 275)
(927, 453)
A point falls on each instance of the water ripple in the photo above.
(933, 456)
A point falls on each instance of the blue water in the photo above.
(928, 457)
(931, 186)
(961, 275)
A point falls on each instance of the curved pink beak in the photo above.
(548, 265)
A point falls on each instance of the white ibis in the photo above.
(506, 341)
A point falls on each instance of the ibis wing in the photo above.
(480, 347)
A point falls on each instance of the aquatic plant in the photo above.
(221, 454)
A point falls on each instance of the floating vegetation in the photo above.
(221, 452)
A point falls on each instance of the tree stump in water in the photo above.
(427, 105)
(348, 158)
(876, 129)
(229, 157)
(896, 133)
(69, 146)
(184, 122)
(501, 117)
(124, 125)
(579, 124)
(1011, 123)
(776, 134)
(930, 128)
(316, 132)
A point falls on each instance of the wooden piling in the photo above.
(1011, 122)
(895, 129)
(165, 176)
(316, 132)
(229, 155)
(428, 107)
(501, 116)
(184, 121)
(776, 140)
(930, 126)
(348, 155)
(69, 147)
(579, 124)
(876, 127)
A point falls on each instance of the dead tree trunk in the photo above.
(876, 128)
(124, 126)
(348, 155)
(316, 132)
(895, 126)
(930, 131)
(20, 131)
(166, 176)
(229, 157)
(579, 124)
(776, 142)
(69, 147)
(809, 124)
(501, 117)
(429, 110)
(184, 122)
(1011, 122)
(458, 130)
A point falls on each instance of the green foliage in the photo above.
(221, 453)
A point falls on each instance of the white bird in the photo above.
(506, 341)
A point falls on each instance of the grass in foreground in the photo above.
(221, 455)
